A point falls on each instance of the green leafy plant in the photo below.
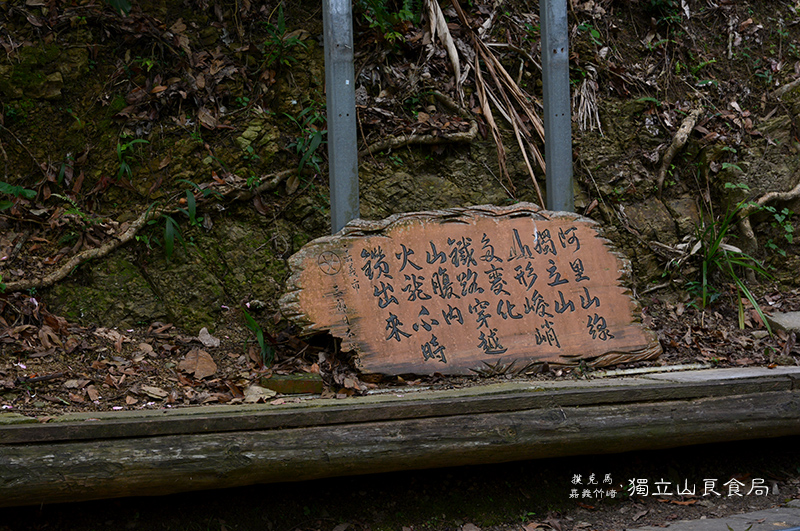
(74, 208)
(267, 351)
(172, 232)
(666, 12)
(191, 202)
(125, 153)
(250, 155)
(123, 7)
(719, 260)
(385, 17)
(14, 191)
(279, 44)
(310, 121)
(781, 220)
(593, 33)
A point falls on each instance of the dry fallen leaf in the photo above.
(154, 392)
(75, 384)
(198, 363)
(93, 393)
(207, 339)
(74, 397)
(256, 393)
(292, 184)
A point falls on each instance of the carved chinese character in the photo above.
(526, 277)
(375, 263)
(414, 288)
(518, 249)
(479, 309)
(462, 253)
(404, 255)
(569, 236)
(383, 295)
(536, 305)
(598, 328)
(496, 280)
(491, 343)
(393, 324)
(509, 309)
(564, 305)
(577, 268)
(442, 285)
(587, 302)
(432, 350)
(469, 282)
(546, 334)
(488, 250)
(555, 275)
(544, 244)
(427, 325)
(453, 314)
(434, 256)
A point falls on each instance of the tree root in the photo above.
(746, 229)
(231, 192)
(677, 143)
(780, 91)
(84, 256)
(451, 138)
(407, 140)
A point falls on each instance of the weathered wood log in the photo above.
(450, 291)
(161, 465)
(380, 434)
(495, 398)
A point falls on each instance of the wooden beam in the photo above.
(484, 399)
(380, 434)
(85, 470)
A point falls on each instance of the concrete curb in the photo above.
(786, 518)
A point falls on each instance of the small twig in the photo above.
(498, 180)
(525, 55)
(12, 135)
(364, 137)
(15, 251)
(656, 287)
(43, 378)
(677, 143)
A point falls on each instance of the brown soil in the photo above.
(54, 367)
(645, 53)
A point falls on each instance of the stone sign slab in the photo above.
(448, 291)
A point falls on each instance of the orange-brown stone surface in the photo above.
(448, 291)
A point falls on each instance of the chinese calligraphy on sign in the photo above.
(446, 291)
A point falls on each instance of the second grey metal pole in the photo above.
(337, 20)
(557, 119)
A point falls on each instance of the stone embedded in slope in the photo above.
(789, 321)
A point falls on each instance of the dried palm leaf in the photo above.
(511, 97)
(439, 26)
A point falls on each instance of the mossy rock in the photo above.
(239, 260)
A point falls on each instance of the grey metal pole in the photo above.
(557, 120)
(337, 20)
